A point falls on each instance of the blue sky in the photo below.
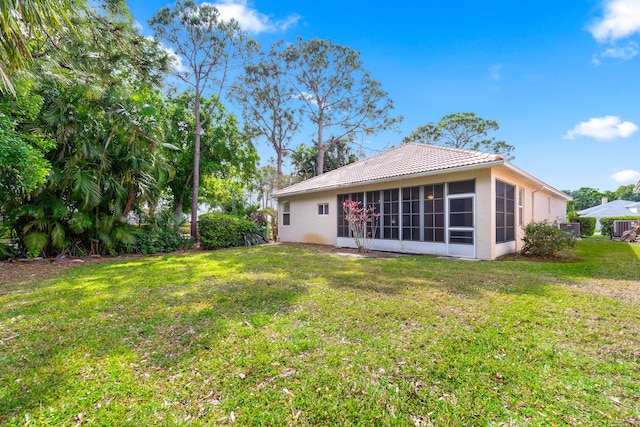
(562, 78)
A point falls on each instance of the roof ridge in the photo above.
(458, 150)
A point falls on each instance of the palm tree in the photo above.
(21, 22)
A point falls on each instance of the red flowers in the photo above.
(358, 219)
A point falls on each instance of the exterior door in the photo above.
(461, 226)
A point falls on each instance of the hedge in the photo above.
(606, 223)
(587, 225)
(219, 230)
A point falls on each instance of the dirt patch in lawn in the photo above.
(17, 271)
(626, 290)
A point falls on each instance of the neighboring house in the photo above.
(636, 189)
(613, 208)
(431, 200)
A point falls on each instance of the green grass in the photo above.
(283, 335)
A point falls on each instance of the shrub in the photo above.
(151, 240)
(363, 222)
(6, 251)
(219, 230)
(545, 240)
(587, 225)
(606, 223)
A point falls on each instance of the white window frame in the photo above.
(286, 210)
(323, 209)
(521, 206)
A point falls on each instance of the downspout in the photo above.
(533, 202)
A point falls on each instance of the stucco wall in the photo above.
(539, 204)
(306, 226)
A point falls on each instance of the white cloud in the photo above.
(306, 96)
(623, 53)
(626, 52)
(626, 176)
(621, 19)
(603, 128)
(176, 60)
(250, 19)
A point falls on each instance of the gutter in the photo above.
(541, 184)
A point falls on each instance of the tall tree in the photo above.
(464, 131)
(336, 93)
(209, 50)
(584, 198)
(304, 159)
(624, 192)
(226, 151)
(266, 98)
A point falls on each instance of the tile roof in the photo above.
(405, 160)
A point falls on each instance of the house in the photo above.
(613, 208)
(636, 189)
(431, 200)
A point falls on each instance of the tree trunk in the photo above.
(196, 169)
(132, 198)
(321, 150)
(279, 168)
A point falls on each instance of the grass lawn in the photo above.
(289, 335)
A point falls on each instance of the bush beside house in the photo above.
(545, 240)
(219, 230)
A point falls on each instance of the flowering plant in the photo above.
(363, 223)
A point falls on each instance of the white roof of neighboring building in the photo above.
(406, 160)
(613, 208)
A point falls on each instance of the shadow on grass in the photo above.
(163, 311)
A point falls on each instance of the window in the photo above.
(462, 187)
(434, 213)
(373, 201)
(505, 206)
(390, 222)
(343, 225)
(286, 213)
(323, 209)
(520, 206)
(411, 213)
(461, 212)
